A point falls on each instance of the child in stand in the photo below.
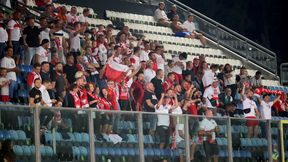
(4, 85)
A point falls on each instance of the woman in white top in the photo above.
(250, 111)
(230, 79)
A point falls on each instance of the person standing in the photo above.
(31, 39)
(207, 132)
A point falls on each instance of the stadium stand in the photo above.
(85, 102)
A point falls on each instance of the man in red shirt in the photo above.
(112, 98)
(34, 74)
(169, 83)
(137, 92)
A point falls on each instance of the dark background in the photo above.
(259, 20)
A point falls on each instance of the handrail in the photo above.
(223, 27)
(121, 112)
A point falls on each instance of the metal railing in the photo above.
(284, 73)
(16, 117)
(229, 39)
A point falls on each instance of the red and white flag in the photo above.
(115, 71)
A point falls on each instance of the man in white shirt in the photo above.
(46, 115)
(190, 26)
(159, 59)
(211, 95)
(163, 122)
(9, 64)
(42, 52)
(207, 132)
(160, 15)
(149, 73)
(72, 15)
(179, 66)
(256, 80)
(266, 105)
(14, 34)
(83, 18)
(74, 36)
(144, 52)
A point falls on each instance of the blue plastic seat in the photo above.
(49, 151)
(18, 150)
(43, 150)
(76, 152)
(26, 151)
(13, 135)
(21, 135)
(83, 151)
(32, 149)
(117, 151)
(85, 137)
(98, 151)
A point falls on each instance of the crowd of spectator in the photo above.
(71, 61)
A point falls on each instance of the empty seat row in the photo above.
(29, 151)
(128, 17)
(74, 137)
(143, 28)
(281, 88)
(253, 142)
(95, 22)
(172, 40)
(270, 82)
(13, 135)
(194, 50)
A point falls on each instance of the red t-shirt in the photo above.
(138, 91)
(112, 98)
(192, 109)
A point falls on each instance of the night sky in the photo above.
(259, 20)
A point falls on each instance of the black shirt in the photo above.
(36, 94)
(153, 98)
(45, 76)
(32, 38)
(188, 72)
(59, 83)
(171, 15)
(70, 72)
(158, 87)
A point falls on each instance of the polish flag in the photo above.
(115, 71)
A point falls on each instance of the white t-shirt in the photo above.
(15, 28)
(44, 34)
(83, 19)
(9, 63)
(190, 26)
(160, 62)
(4, 89)
(43, 54)
(3, 35)
(208, 77)
(163, 120)
(266, 110)
(75, 42)
(179, 127)
(149, 74)
(160, 14)
(231, 80)
(247, 103)
(208, 125)
(72, 18)
(176, 68)
(45, 95)
(144, 55)
(210, 93)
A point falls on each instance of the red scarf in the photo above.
(84, 98)
(77, 101)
